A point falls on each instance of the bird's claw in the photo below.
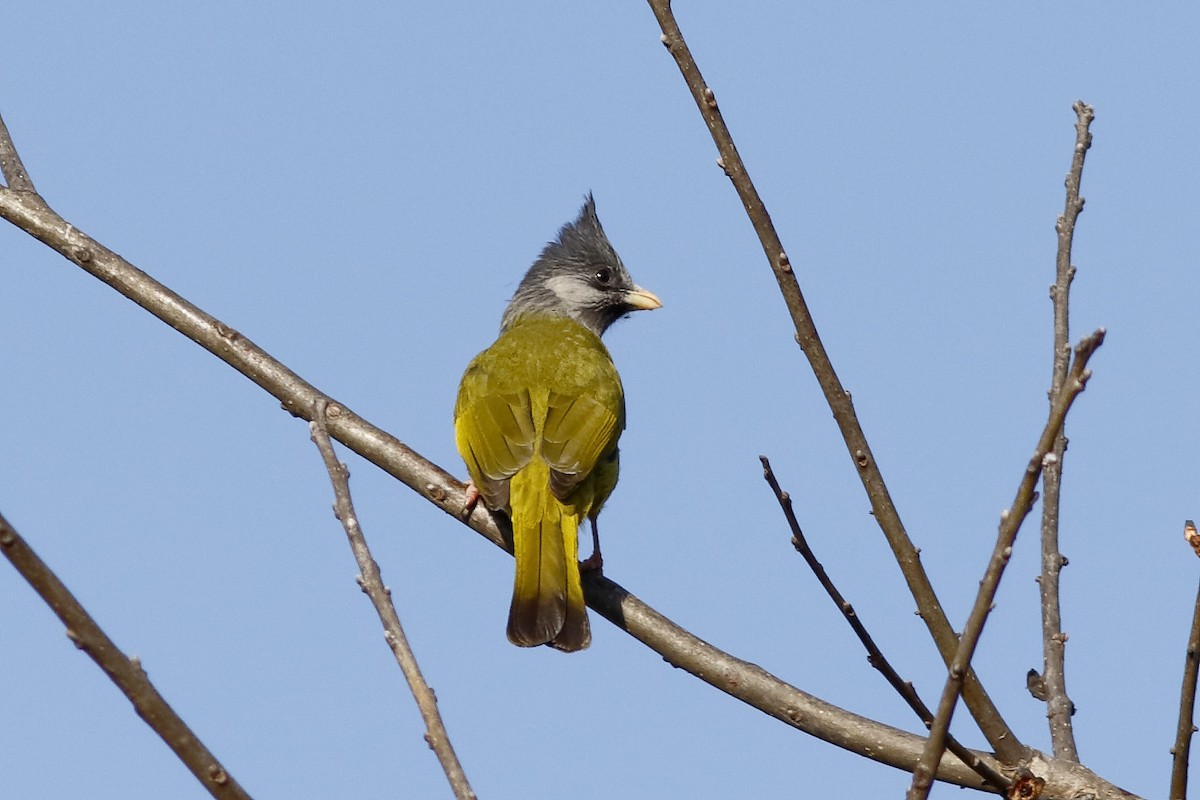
(593, 563)
(470, 500)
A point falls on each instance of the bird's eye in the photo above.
(603, 275)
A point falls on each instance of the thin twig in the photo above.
(1010, 524)
(125, 672)
(15, 176)
(999, 735)
(740, 679)
(1187, 707)
(1053, 678)
(371, 582)
(875, 656)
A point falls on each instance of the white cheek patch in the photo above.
(572, 291)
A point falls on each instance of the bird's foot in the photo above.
(470, 499)
(593, 563)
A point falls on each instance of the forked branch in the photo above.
(740, 679)
(1010, 524)
(15, 176)
(1008, 748)
(875, 656)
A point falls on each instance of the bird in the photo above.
(537, 420)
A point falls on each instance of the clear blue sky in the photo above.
(358, 188)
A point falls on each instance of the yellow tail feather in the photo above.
(547, 604)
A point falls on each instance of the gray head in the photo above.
(579, 276)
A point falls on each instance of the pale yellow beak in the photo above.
(642, 300)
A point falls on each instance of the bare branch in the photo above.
(758, 688)
(875, 656)
(371, 582)
(125, 672)
(1010, 524)
(1187, 697)
(1059, 707)
(763, 691)
(30, 213)
(1002, 739)
(740, 679)
(15, 176)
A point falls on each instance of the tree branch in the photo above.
(1180, 753)
(125, 672)
(740, 679)
(1059, 707)
(371, 582)
(30, 213)
(11, 168)
(1010, 524)
(1008, 748)
(744, 681)
(875, 656)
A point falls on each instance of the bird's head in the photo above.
(579, 276)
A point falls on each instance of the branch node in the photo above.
(1027, 786)
(217, 775)
(1191, 535)
(227, 333)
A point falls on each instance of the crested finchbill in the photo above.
(538, 418)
